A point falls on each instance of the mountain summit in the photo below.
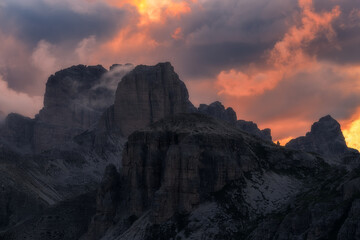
(147, 94)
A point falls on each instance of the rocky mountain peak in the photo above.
(325, 138)
(218, 111)
(327, 126)
(73, 83)
(252, 128)
(74, 100)
(147, 94)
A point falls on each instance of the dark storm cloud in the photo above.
(221, 35)
(222, 56)
(56, 24)
(62, 26)
(230, 34)
(345, 49)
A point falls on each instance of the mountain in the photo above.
(17, 133)
(74, 101)
(124, 154)
(2, 116)
(326, 139)
(193, 177)
(218, 111)
(253, 129)
(147, 94)
(47, 160)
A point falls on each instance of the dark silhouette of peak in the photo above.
(252, 128)
(325, 138)
(326, 126)
(218, 111)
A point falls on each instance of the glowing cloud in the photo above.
(286, 59)
(352, 134)
(155, 10)
(178, 34)
(12, 101)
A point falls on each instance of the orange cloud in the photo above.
(178, 34)
(284, 141)
(237, 83)
(351, 130)
(286, 59)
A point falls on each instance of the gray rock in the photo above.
(74, 101)
(325, 138)
(351, 226)
(147, 94)
(106, 204)
(2, 116)
(17, 133)
(67, 220)
(218, 111)
(252, 128)
(176, 165)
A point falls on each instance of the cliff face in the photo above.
(74, 101)
(147, 94)
(106, 204)
(193, 177)
(184, 160)
(180, 163)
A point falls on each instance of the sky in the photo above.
(280, 63)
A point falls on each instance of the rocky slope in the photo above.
(66, 220)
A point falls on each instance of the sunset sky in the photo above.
(280, 63)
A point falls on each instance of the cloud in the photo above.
(285, 59)
(12, 101)
(57, 22)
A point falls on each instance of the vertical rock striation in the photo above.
(147, 94)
